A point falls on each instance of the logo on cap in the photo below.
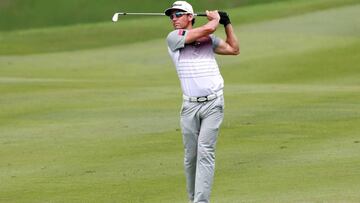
(180, 5)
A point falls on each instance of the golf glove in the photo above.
(224, 18)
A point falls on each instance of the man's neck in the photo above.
(189, 27)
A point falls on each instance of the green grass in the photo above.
(23, 14)
(101, 124)
(87, 36)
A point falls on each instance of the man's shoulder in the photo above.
(176, 39)
(178, 33)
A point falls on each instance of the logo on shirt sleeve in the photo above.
(182, 32)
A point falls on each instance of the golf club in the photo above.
(115, 18)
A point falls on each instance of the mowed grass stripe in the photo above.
(315, 66)
(307, 141)
(117, 62)
(299, 34)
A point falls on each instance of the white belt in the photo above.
(203, 98)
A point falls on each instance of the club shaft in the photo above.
(116, 15)
(154, 14)
(143, 14)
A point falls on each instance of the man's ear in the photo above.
(190, 17)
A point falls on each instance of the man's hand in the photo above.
(205, 30)
(224, 18)
(213, 15)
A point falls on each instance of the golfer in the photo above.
(192, 51)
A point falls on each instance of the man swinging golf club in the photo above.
(192, 51)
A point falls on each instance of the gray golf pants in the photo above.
(200, 123)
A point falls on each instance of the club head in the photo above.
(115, 18)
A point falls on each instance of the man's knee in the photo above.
(190, 155)
(206, 154)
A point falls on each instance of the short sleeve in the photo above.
(176, 39)
(215, 41)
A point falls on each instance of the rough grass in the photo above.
(101, 125)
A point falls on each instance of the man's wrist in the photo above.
(225, 25)
(224, 18)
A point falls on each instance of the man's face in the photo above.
(180, 19)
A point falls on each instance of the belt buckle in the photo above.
(201, 99)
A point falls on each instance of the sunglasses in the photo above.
(177, 15)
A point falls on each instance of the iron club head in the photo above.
(115, 18)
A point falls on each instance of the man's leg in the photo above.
(210, 124)
(190, 126)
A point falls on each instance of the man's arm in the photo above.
(205, 30)
(231, 45)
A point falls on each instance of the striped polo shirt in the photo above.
(195, 64)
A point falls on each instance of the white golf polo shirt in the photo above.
(195, 64)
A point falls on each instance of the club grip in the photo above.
(201, 14)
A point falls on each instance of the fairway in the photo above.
(99, 122)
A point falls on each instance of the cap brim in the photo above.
(168, 11)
